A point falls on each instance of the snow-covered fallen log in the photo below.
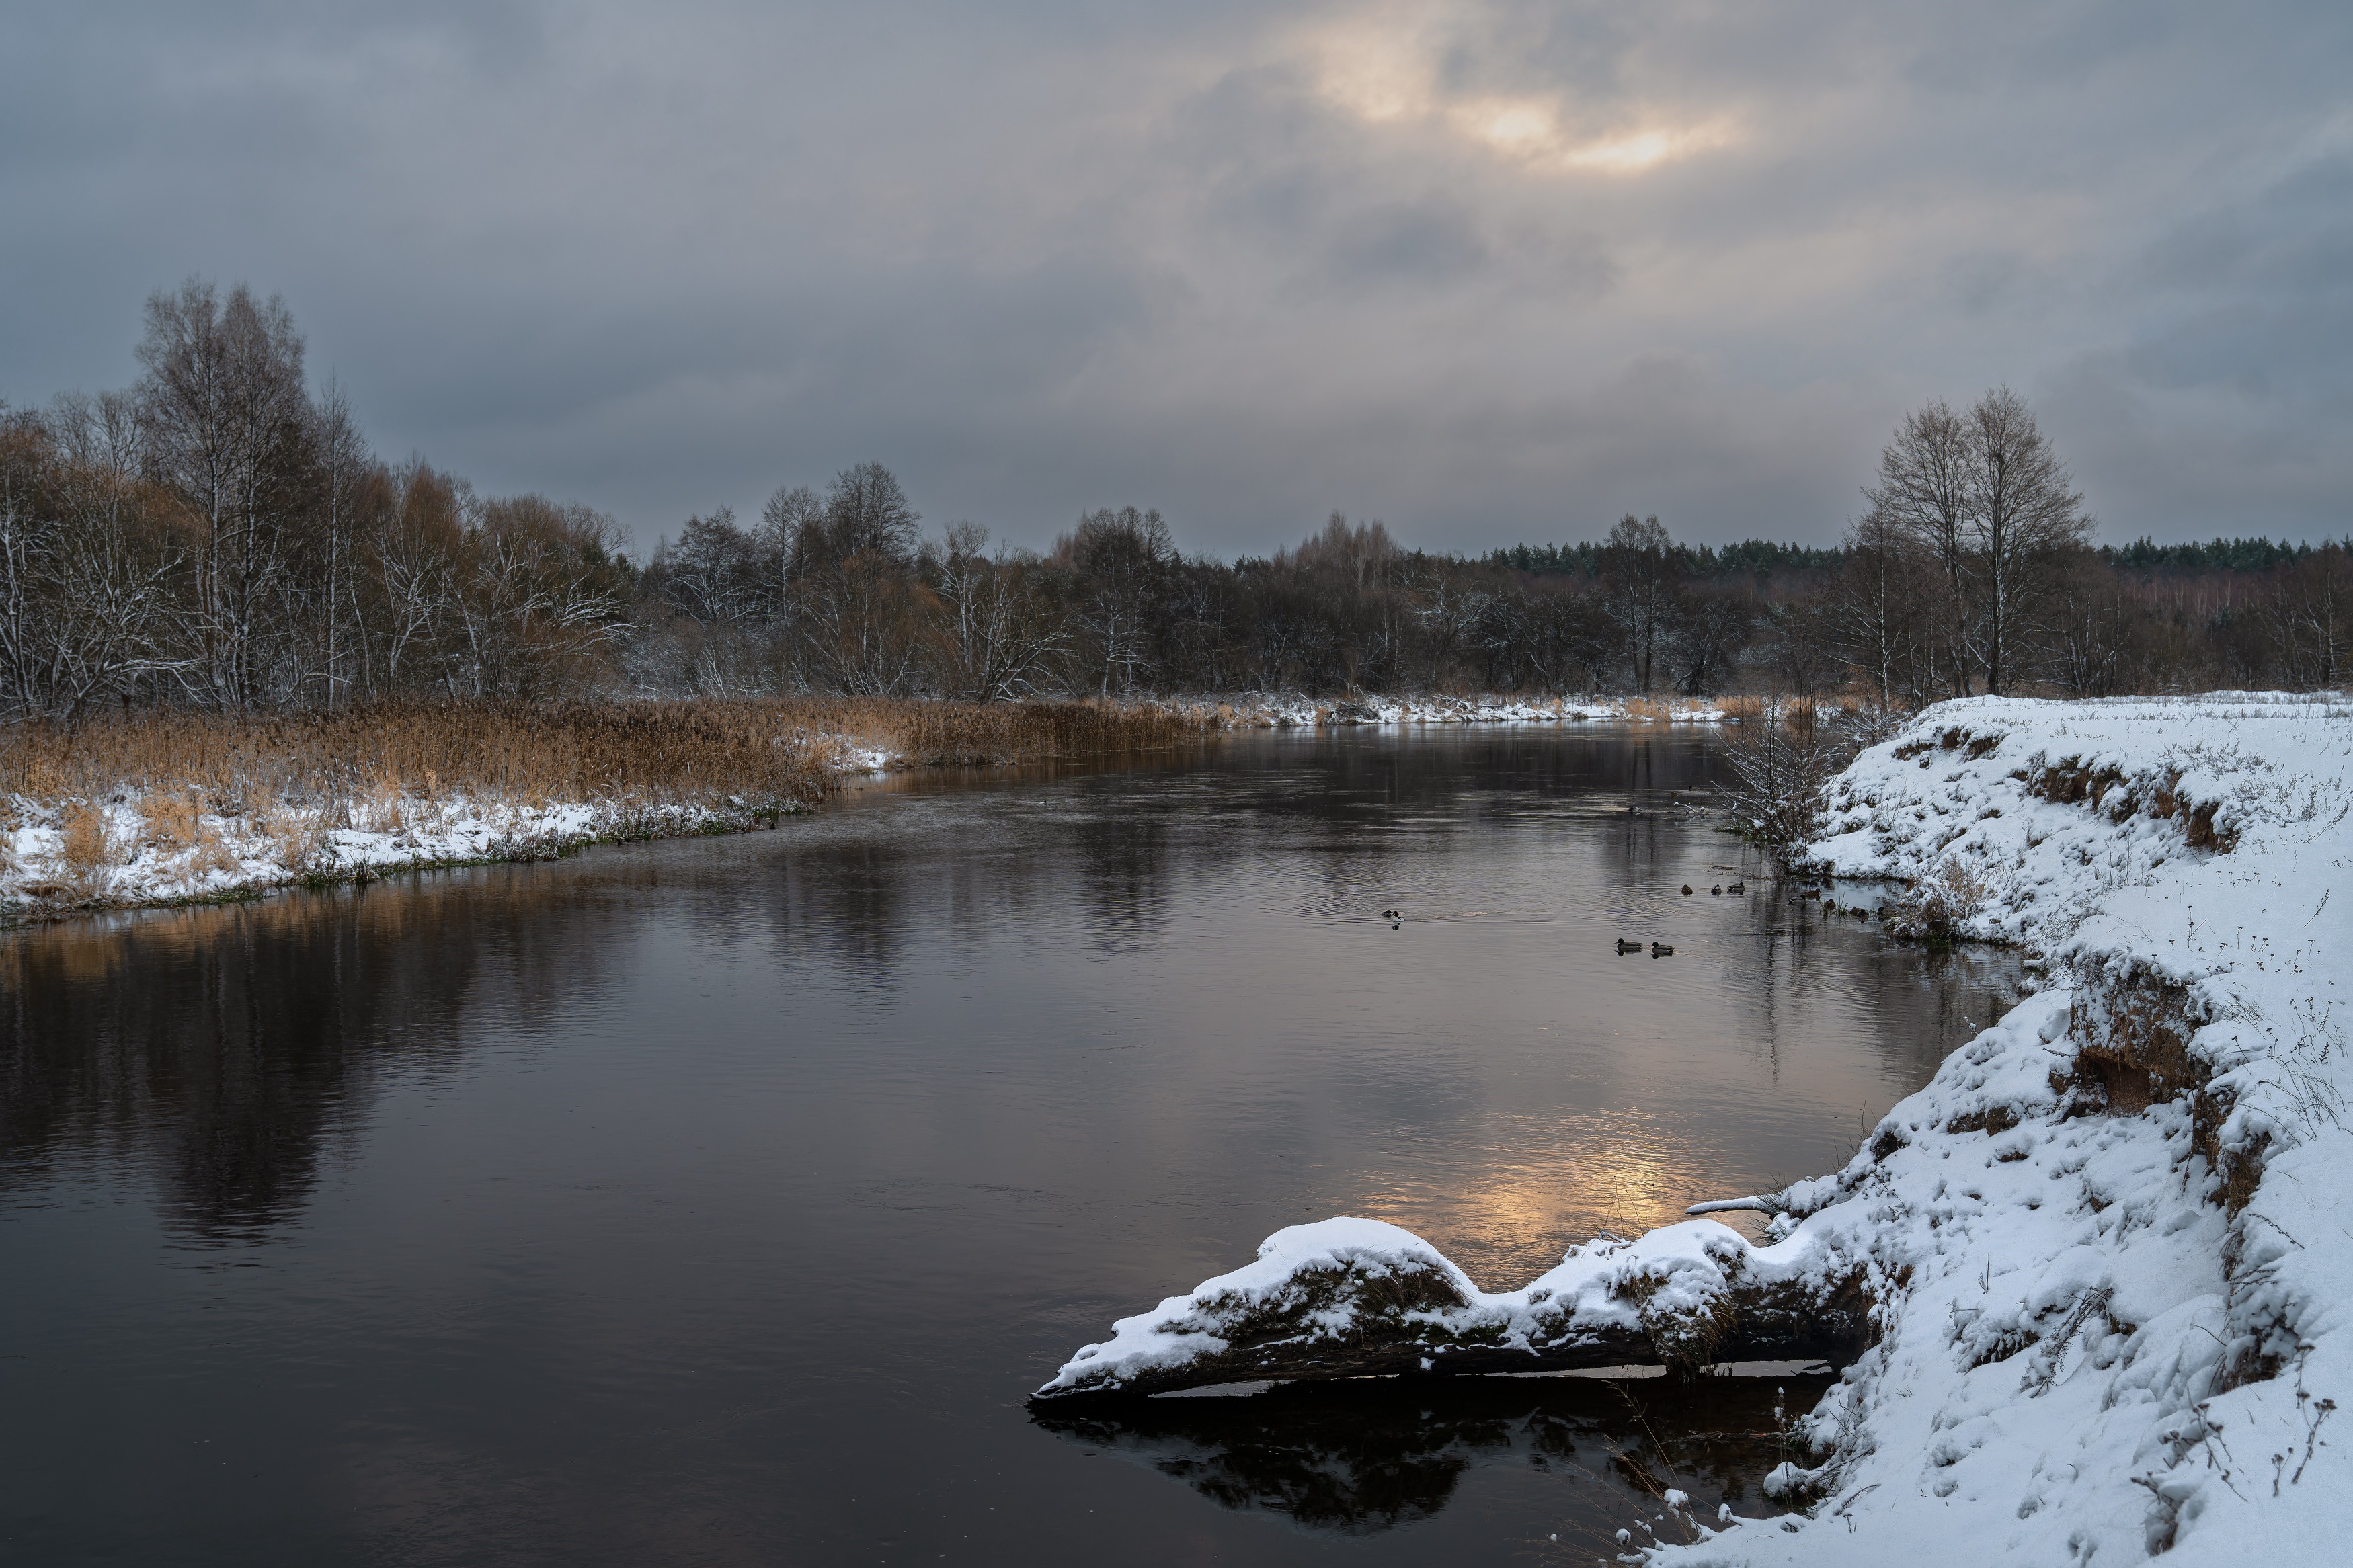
(1358, 1298)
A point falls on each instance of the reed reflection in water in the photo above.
(720, 1200)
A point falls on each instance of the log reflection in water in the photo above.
(1357, 1458)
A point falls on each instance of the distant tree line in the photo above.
(221, 535)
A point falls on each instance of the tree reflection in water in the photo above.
(1354, 1459)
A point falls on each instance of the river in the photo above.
(720, 1201)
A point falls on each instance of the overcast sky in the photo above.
(1490, 269)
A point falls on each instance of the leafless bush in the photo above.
(1936, 908)
(1779, 760)
(1862, 725)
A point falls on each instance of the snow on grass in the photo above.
(2109, 1248)
(1290, 710)
(168, 850)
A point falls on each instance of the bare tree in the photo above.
(1880, 606)
(87, 568)
(418, 554)
(862, 622)
(1712, 626)
(1642, 580)
(2310, 618)
(784, 522)
(713, 572)
(997, 634)
(2087, 626)
(1923, 499)
(227, 418)
(865, 513)
(346, 471)
(1122, 562)
(540, 597)
(2023, 514)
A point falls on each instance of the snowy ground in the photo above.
(1287, 710)
(158, 850)
(2108, 1248)
(148, 847)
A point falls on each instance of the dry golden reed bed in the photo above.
(697, 752)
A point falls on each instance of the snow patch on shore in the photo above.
(1290, 710)
(113, 854)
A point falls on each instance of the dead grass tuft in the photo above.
(86, 847)
(174, 823)
(297, 838)
(1650, 710)
(1744, 708)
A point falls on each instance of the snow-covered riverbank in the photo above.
(137, 850)
(127, 853)
(2103, 1256)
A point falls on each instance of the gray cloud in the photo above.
(1491, 268)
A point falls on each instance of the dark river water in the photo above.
(719, 1201)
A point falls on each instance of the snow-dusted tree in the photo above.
(348, 479)
(996, 634)
(228, 427)
(2310, 618)
(88, 565)
(1778, 762)
(541, 596)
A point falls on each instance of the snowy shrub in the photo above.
(1781, 761)
(1936, 908)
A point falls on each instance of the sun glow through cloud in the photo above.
(1384, 66)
